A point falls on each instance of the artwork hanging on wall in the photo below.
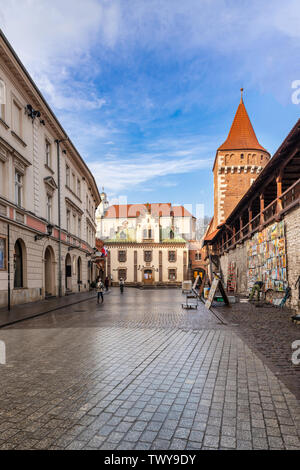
(3, 254)
(266, 253)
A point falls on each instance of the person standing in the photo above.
(258, 287)
(106, 283)
(122, 285)
(100, 288)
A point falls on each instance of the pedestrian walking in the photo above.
(106, 283)
(100, 288)
(122, 285)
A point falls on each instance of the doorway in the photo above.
(49, 272)
(68, 273)
(148, 276)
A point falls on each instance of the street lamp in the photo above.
(48, 234)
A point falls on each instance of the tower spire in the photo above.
(241, 135)
(242, 89)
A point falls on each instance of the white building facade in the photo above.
(147, 243)
(48, 196)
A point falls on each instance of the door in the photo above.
(148, 276)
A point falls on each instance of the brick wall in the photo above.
(239, 255)
(234, 172)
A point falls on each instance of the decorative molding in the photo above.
(21, 141)
(50, 183)
(4, 124)
(73, 206)
(3, 154)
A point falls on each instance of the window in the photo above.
(147, 233)
(73, 182)
(49, 207)
(78, 188)
(172, 274)
(147, 256)
(2, 99)
(172, 256)
(48, 153)
(74, 224)
(18, 188)
(171, 234)
(79, 227)
(197, 256)
(67, 175)
(122, 256)
(122, 274)
(68, 219)
(17, 118)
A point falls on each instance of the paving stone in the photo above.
(171, 382)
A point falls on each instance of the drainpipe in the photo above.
(57, 141)
(8, 267)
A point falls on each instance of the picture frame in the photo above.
(3, 253)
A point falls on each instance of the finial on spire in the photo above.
(242, 89)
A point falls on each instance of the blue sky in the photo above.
(147, 89)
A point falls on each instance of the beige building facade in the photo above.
(146, 243)
(48, 196)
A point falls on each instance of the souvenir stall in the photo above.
(266, 253)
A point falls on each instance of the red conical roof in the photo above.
(241, 134)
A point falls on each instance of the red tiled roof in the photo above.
(134, 210)
(241, 134)
(211, 235)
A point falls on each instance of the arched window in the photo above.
(19, 265)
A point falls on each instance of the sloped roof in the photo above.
(134, 210)
(241, 135)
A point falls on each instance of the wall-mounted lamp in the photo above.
(48, 234)
(31, 112)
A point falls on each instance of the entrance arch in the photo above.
(68, 273)
(49, 261)
(19, 264)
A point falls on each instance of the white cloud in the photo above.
(54, 40)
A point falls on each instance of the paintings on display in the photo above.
(266, 254)
(3, 254)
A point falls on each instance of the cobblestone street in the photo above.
(139, 372)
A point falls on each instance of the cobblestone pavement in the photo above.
(138, 372)
(271, 331)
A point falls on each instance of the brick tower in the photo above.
(238, 162)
